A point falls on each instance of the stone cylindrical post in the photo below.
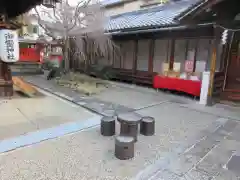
(147, 126)
(129, 130)
(124, 147)
(108, 126)
(129, 124)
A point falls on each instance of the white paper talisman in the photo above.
(9, 46)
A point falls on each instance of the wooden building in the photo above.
(225, 14)
(153, 42)
(177, 42)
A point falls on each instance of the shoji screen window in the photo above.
(143, 55)
(203, 55)
(127, 54)
(180, 54)
(161, 54)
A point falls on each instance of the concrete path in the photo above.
(218, 110)
(116, 98)
(19, 116)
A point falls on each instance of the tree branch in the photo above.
(45, 29)
(55, 15)
(77, 13)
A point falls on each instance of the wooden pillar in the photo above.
(227, 59)
(122, 58)
(172, 54)
(195, 55)
(186, 50)
(213, 66)
(6, 84)
(151, 55)
(135, 56)
(212, 71)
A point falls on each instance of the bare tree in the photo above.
(83, 24)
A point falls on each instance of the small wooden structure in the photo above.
(30, 57)
(31, 50)
(6, 83)
(10, 9)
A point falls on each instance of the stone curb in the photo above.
(35, 137)
(71, 100)
(63, 96)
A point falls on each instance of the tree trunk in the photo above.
(66, 55)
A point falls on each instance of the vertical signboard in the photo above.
(9, 46)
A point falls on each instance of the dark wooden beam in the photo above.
(195, 55)
(187, 33)
(135, 54)
(151, 55)
(172, 54)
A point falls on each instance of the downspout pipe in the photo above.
(182, 27)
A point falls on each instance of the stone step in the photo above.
(21, 69)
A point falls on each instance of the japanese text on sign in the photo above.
(9, 45)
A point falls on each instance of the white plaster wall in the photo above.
(123, 8)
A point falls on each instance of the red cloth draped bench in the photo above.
(182, 85)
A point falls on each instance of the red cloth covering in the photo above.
(183, 85)
(29, 55)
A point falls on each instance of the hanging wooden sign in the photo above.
(9, 46)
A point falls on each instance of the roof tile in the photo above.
(160, 16)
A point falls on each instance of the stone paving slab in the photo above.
(89, 102)
(218, 110)
(22, 115)
(208, 159)
(149, 90)
(119, 98)
(88, 155)
(214, 164)
(131, 98)
(193, 156)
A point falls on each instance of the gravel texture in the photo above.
(89, 156)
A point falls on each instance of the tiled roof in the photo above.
(193, 9)
(161, 16)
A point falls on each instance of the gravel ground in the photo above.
(88, 156)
